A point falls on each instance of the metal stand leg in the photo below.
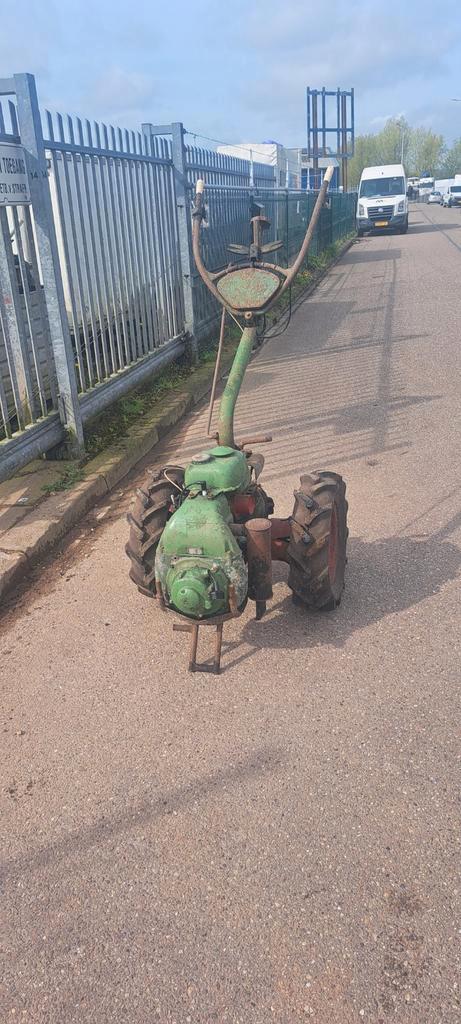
(194, 666)
(193, 648)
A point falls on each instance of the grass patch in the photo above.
(67, 479)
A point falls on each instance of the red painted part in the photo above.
(280, 536)
(243, 505)
(279, 551)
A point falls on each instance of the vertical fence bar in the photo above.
(135, 243)
(104, 302)
(81, 254)
(184, 228)
(65, 242)
(146, 216)
(32, 140)
(143, 262)
(130, 249)
(42, 307)
(155, 200)
(113, 250)
(132, 353)
(93, 265)
(87, 375)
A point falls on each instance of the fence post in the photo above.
(184, 229)
(30, 129)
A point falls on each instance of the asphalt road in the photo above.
(280, 843)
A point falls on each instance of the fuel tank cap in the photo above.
(221, 451)
(202, 457)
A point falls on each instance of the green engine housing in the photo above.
(198, 558)
(222, 470)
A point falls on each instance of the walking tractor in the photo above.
(202, 539)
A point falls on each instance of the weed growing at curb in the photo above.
(72, 475)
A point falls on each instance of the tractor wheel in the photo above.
(152, 509)
(317, 546)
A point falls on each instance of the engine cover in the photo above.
(221, 469)
(198, 559)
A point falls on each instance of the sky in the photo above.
(235, 70)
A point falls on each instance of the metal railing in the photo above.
(115, 216)
(97, 283)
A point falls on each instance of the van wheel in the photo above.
(360, 232)
(404, 230)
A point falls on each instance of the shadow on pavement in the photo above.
(153, 806)
(420, 228)
(373, 256)
(384, 577)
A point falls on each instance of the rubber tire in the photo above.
(404, 230)
(313, 583)
(150, 514)
(360, 233)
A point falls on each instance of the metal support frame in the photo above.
(178, 150)
(320, 133)
(32, 140)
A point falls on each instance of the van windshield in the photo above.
(375, 187)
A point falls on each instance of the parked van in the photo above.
(382, 201)
(452, 196)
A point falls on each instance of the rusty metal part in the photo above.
(293, 270)
(216, 370)
(187, 626)
(256, 461)
(242, 506)
(194, 665)
(234, 609)
(239, 283)
(159, 595)
(249, 288)
(262, 439)
(197, 217)
(280, 539)
(258, 533)
(210, 278)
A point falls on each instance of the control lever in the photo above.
(262, 439)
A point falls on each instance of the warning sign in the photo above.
(14, 181)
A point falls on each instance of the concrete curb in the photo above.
(30, 540)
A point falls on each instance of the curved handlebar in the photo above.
(290, 273)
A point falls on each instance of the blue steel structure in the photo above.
(330, 139)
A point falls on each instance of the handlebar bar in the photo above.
(288, 274)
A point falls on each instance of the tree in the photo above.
(423, 150)
(395, 135)
(426, 151)
(452, 162)
(365, 155)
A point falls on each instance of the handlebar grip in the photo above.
(329, 173)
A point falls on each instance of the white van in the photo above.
(382, 201)
(452, 196)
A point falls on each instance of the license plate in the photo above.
(381, 223)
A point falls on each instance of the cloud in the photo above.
(121, 91)
(236, 71)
